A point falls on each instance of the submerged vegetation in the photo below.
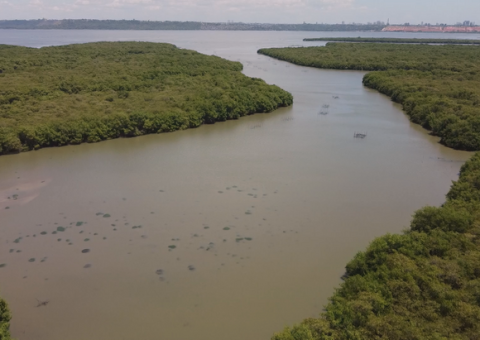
(438, 86)
(423, 284)
(400, 40)
(91, 92)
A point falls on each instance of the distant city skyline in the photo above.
(249, 11)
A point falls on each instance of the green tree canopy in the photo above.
(91, 92)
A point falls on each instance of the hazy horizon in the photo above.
(247, 11)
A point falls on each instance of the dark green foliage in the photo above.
(447, 218)
(423, 284)
(438, 86)
(91, 92)
(400, 40)
(5, 318)
(381, 57)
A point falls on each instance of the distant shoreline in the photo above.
(132, 25)
(87, 24)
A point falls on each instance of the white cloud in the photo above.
(130, 3)
(218, 4)
(257, 3)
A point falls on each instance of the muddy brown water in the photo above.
(228, 231)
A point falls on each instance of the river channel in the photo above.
(229, 231)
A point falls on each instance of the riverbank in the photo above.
(74, 94)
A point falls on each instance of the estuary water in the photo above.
(228, 231)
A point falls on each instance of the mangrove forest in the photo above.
(5, 317)
(438, 85)
(73, 94)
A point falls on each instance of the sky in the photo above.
(249, 11)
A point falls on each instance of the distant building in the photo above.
(429, 28)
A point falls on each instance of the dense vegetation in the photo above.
(400, 40)
(4, 321)
(87, 93)
(90, 24)
(439, 86)
(423, 284)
